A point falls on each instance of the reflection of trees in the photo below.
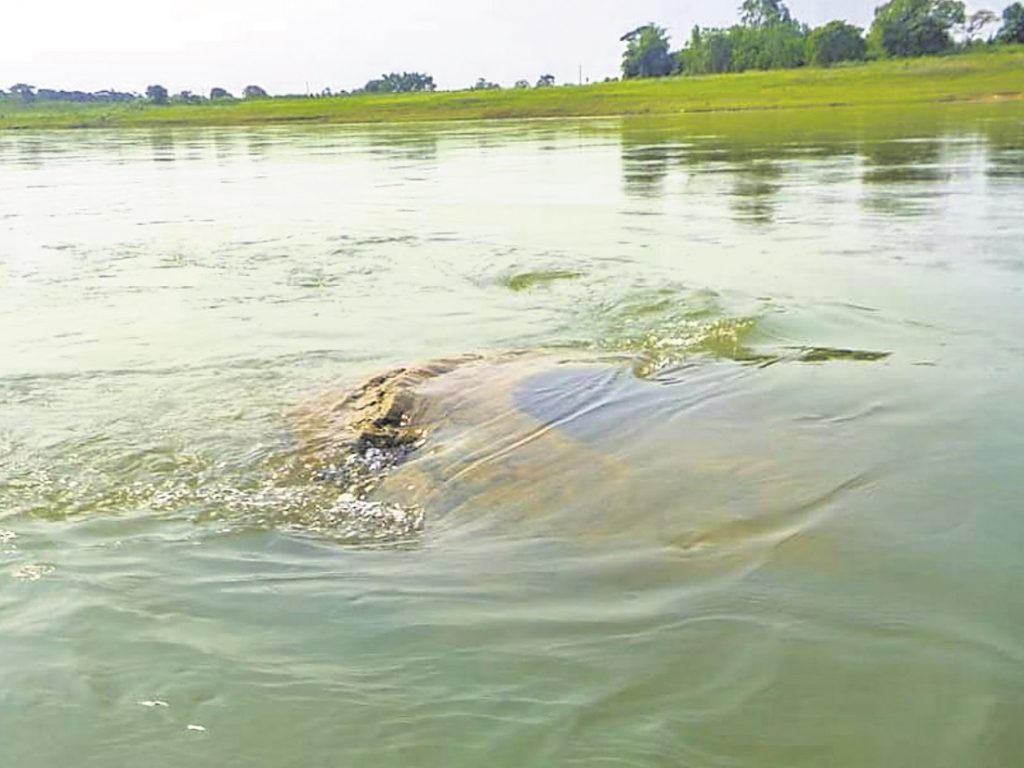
(750, 169)
(224, 143)
(753, 170)
(1005, 150)
(410, 144)
(27, 150)
(258, 144)
(646, 166)
(1005, 163)
(162, 145)
(901, 177)
(757, 184)
(888, 162)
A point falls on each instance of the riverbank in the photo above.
(982, 76)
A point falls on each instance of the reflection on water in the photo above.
(756, 186)
(902, 167)
(733, 480)
(646, 166)
(419, 147)
(896, 162)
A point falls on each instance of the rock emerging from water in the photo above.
(564, 441)
(357, 440)
(383, 415)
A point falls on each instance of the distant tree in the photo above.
(647, 53)
(24, 91)
(219, 93)
(764, 13)
(546, 81)
(522, 84)
(401, 82)
(157, 94)
(1012, 30)
(834, 42)
(254, 92)
(187, 97)
(778, 46)
(975, 25)
(708, 52)
(114, 96)
(483, 84)
(914, 27)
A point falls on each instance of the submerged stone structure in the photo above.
(571, 443)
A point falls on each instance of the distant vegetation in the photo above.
(1013, 25)
(405, 82)
(769, 37)
(985, 74)
(29, 93)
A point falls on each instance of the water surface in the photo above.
(767, 514)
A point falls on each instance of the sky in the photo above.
(287, 47)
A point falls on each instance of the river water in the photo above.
(751, 497)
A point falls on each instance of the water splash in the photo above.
(33, 572)
(667, 327)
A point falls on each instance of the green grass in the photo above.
(989, 75)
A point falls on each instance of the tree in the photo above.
(254, 92)
(483, 84)
(914, 27)
(836, 41)
(546, 81)
(156, 94)
(975, 25)
(187, 97)
(23, 90)
(647, 53)
(404, 82)
(219, 93)
(779, 46)
(1013, 25)
(708, 52)
(522, 84)
(782, 45)
(764, 13)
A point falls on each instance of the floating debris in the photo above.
(826, 354)
(195, 728)
(6, 537)
(526, 281)
(151, 703)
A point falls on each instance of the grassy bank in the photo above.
(986, 75)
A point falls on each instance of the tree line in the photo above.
(769, 37)
(394, 82)
(155, 94)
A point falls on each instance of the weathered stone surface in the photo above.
(383, 413)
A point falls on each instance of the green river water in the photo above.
(751, 498)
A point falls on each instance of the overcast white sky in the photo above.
(197, 44)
